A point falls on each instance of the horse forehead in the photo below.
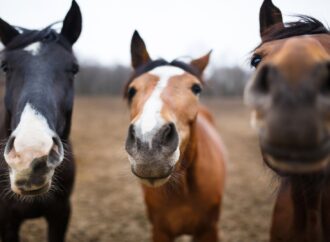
(165, 73)
(303, 50)
(33, 48)
(296, 57)
(155, 81)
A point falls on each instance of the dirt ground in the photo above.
(107, 201)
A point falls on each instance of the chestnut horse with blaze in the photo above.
(290, 98)
(173, 147)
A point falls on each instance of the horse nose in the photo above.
(164, 140)
(24, 156)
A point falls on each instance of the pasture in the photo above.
(107, 200)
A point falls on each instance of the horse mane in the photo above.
(306, 25)
(27, 37)
(161, 62)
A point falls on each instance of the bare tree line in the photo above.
(94, 80)
(102, 80)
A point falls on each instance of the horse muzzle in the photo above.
(286, 161)
(153, 156)
(31, 170)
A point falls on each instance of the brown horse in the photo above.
(290, 98)
(173, 147)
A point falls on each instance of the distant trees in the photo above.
(227, 81)
(104, 80)
(95, 80)
(100, 80)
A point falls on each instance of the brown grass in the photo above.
(107, 202)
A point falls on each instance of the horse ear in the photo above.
(72, 23)
(269, 16)
(201, 63)
(139, 52)
(7, 32)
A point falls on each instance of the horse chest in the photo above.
(21, 210)
(180, 215)
(183, 219)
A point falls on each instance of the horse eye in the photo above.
(4, 66)
(75, 69)
(131, 93)
(196, 89)
(255, 60)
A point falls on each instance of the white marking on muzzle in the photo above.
(151, 120)
(33, 139)
(33, 48)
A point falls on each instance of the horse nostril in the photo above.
(131, 138)
(168, 137)
(168, 132)
(56, 154)
(39, 165)
(10, 144)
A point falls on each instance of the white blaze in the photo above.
(33, 48)
(33, 139)
(151, 118)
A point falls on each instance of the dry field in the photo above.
(107, 201)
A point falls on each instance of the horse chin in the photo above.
(296, 167)
(155, 182)
(33, 192)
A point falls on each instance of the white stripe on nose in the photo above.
(33, 139)
(151, 119)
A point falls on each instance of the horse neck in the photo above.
(307, 205)
(191, 151)
(196, 130)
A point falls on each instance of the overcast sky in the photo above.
(170, 28)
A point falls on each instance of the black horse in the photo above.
(37, 171)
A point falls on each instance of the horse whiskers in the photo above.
(57, 186)
(7, 194)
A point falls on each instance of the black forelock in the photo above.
(28, 37)
(306, 25)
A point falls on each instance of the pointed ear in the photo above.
(269, 16)
(139, 53)
(201, 63)
(72, 24)
(7, 32)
